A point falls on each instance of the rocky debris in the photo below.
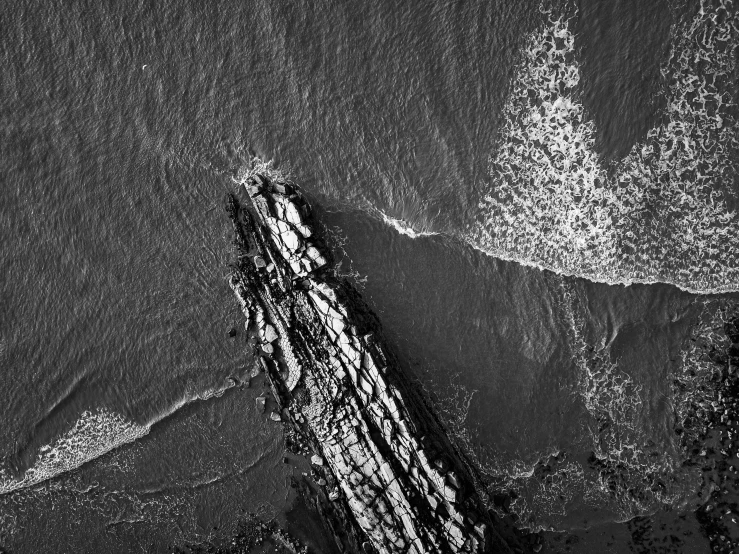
(261, 402)
(256, 370)
(274, 416)
(316, 460)
(335, 383)
(270, 335)
(719, 449)
(251, 533)
(708, 423)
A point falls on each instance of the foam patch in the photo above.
(661, 215)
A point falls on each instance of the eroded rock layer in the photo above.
(388, 463)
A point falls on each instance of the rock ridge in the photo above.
(389, 471)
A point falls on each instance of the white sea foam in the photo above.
(624, 464)
(693, 386)
(402, 227)
(610, 429)
(631, 471)
(661, 214)
(258, 165)
(94, 434)
(609, 395)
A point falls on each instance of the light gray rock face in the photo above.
(401, 493)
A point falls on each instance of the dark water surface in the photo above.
(122, 123)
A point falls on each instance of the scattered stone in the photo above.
(274, 416)
(454, 480)
(268, 348)
(321, 482)
(259, 262)
(255, 370)
(270, 335)
(261, 402)
(316, 460)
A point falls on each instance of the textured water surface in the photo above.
(490, 175)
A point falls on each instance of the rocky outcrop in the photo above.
(386, 463)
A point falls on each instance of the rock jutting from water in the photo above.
(392, 476)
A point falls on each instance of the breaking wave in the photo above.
(94, 434)
(662, 214)
(402, 227)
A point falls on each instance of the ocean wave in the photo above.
(94, 434)
(663, 213)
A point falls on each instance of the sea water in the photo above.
(491, 177)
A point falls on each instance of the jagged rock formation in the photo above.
(389, 466)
